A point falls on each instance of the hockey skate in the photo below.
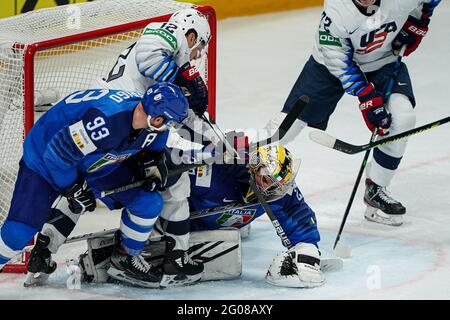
(381, 207)
(178, 267)
(133, 269)
(40, 264)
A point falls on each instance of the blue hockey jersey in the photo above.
(219, 185)
(89, 133)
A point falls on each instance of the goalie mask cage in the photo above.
(49, 53)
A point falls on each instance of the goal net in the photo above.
(49, 53)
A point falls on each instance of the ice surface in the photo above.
(259, 58)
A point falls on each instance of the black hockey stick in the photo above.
(278, 228)
(193, 215)
(284, 127)
(345, 251)
(331, 142)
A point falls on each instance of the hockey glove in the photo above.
(411, 35)
(156, 173)
(374, 113)
(80, 197)
(195, 89)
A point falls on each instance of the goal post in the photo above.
(68, 48)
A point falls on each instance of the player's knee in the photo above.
(146, 205)
(14, 236)
(403, 115)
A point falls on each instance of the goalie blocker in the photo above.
(218, 250)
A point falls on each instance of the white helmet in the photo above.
(189, 19)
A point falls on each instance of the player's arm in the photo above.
(155, 51)
(337, 51)
(67, 148)
(416, 27)
(296, 218)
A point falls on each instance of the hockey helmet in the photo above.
(191, 19)
(167, 100)
(274, 170)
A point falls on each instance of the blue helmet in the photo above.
(167, 100)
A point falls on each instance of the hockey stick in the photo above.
(344, 251)
(193, 215)
(221, 136)
(284, 127)
(331, 142)
(278, 228)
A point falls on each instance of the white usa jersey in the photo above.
(156, 56)
(350, 43)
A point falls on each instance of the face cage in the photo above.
(169, 125)
(202, 48)
(276, 188)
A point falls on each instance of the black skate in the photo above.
(178, 267)
(378, 199)
(133, 270)
(40, 264)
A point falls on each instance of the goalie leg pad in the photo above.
(218, 250)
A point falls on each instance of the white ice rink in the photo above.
(259, 58)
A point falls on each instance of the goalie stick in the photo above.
(329, 141)
(284, 127)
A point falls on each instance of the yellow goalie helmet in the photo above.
(273, 169)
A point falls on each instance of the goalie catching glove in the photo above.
(80, 197)
(299, 267)
(195, 89)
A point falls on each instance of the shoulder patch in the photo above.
(81, 138)
(326, 39)
(167, 36)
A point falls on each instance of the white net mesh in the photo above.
(64, 68)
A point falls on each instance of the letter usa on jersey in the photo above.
(350, 43)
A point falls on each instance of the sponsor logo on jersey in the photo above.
(236, 217)
(326, 39)
(376, 39)
(108, 159)
(170, 39)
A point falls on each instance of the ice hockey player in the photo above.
(164, 52)
(79, 141)
(273, 170)
(355, 53)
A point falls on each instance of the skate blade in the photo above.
(35, 279)
(121, 276)
(169, 281)
(375, 215)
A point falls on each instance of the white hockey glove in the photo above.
(299, 267)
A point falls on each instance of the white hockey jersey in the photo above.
(156, 56)
(350, 43)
